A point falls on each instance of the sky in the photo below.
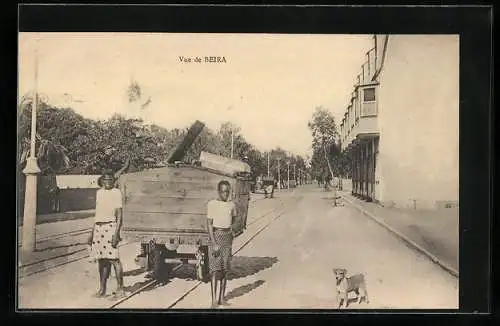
(269, 86)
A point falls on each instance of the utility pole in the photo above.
(232, 141)
(268, 164)
(31, 171)
(294, 175)
(288, 177)
(279, 174)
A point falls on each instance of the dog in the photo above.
(346, 285)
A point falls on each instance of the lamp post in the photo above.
(31, 171)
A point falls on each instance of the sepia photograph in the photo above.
(237, 171)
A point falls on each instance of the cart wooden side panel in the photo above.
(170, 203)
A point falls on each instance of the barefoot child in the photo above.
(105, 234)
(220, 217)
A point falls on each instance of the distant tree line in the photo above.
(68, 143)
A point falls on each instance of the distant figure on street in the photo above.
(269, 191)
(220, 216)
(327, 183)
(105, 234)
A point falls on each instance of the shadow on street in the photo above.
(133, 272)
(244, 289)
(240, 267)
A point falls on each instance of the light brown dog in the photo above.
(346, 285)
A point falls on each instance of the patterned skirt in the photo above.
(221, 261)
(101, 242)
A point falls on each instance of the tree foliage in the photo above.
(325, 160)
(68, 143)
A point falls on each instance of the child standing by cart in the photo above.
(105, 235)
(220, 217)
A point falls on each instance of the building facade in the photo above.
(400, 128)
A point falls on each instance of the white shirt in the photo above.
(221, 213)
(107, 201)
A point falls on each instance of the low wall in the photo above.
(66, 200)
(58, 194)
(77, 199)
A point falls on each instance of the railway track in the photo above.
(278, 211)
(61, 235)
(75, 255)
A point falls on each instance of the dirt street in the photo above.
(288, 265)
(314, 238)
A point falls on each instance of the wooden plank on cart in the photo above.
(172, 188)
(182, 173)
(172, 221)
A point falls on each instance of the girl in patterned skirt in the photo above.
(105, 235)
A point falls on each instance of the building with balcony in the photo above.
(400, 128)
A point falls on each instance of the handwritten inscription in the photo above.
(211, 59)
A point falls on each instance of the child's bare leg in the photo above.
(222, 293)
(213, 286)
(104, 270)
(119, 275)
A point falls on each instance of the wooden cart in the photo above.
(268, 184)
(166, 210)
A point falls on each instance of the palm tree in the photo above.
(51, 156)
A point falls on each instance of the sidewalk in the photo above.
(433, 232)
(54, 245)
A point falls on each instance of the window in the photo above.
(358, 107)
(356, 113)
(351, 114)
(369, 94)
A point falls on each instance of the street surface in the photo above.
(287, 265)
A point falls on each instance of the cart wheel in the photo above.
(150, 256)
(202, 272)
(156, 262)
(160, 272)
(142, 258)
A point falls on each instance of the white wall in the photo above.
(77, 181)
(418, 119)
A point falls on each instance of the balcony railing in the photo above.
(369, 109)
(361, 117)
